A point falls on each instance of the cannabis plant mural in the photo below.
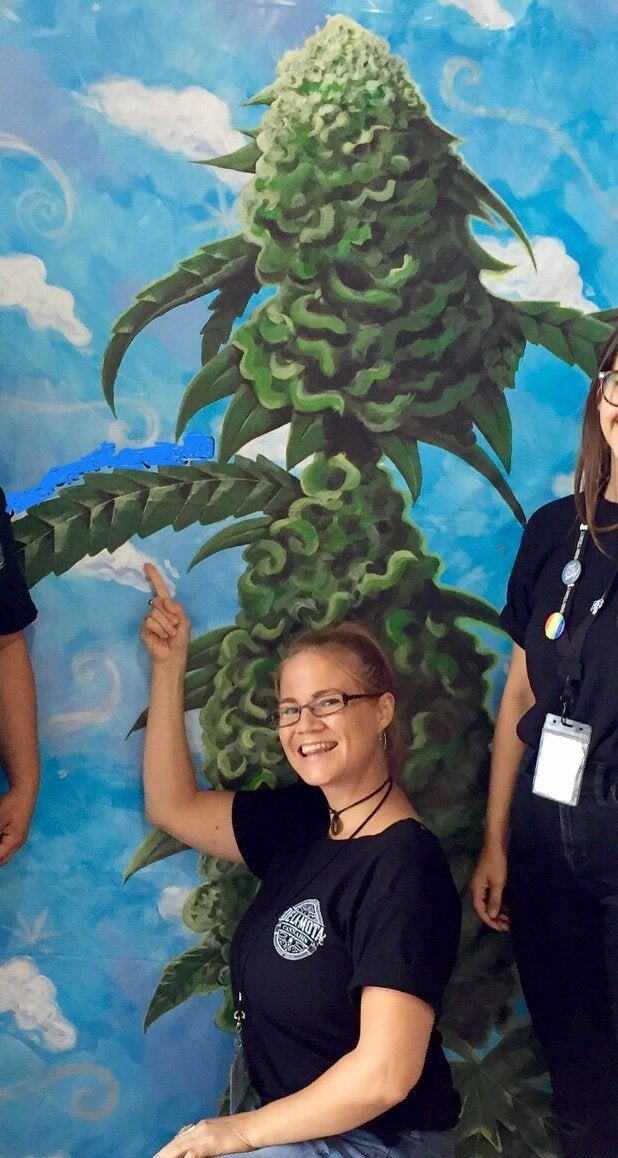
(349, 310)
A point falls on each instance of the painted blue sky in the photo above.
(105, 108)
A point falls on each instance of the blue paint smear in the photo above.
(193, 448)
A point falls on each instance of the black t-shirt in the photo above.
(536, 589)
(16, 607)
(330, 918)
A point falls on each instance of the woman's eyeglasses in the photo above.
(288, 714)
(608, 385)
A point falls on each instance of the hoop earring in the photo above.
(383, 739)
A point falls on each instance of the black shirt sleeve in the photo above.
(268, 821)
(407, 929)
(516, 612)
(16, 607)
(549, 527)
(537, 542)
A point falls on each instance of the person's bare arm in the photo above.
(489, 877)
(19, 749)
(201, 819)
(384, 1066)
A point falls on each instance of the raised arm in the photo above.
(376, 1075)
(489, 877)
(201, 819)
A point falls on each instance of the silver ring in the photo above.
(186, 1129)
(151, 601)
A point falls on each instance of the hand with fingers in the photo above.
(165, 630)
(487, 888)
(210, 1137)
(16, 808)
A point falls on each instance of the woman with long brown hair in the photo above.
(549, 865)
(339, 965)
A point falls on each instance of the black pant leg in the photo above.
(559, 935)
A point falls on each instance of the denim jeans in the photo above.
(563, 896)
(363, 1144)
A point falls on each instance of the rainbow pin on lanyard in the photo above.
(556, 621)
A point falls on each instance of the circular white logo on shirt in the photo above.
(299, 931)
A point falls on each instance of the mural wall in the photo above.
(369, 251)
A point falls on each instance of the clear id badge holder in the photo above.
(561, 759)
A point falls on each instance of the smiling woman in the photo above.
(340, 964)
(361, 663)
(348, 752)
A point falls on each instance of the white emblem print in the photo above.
(299, 931)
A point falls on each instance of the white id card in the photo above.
(561, 759)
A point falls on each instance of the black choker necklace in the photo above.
(336, 813)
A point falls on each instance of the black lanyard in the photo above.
(570, 650)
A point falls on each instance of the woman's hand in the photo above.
(207, 1138)
(166, 630)
(16, 808)
(487, 887)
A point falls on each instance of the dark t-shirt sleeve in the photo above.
(515, 615)
(269, 821)
(16, 607)
(407, 929)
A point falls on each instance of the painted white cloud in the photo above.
(125, 565)
(7, 10)
(170, 571)
(562, 484)
(24, 286)
(272, 445)
(556, 278)
(487, 13)
(171, 902)
(473, 524)
(118, 431)
(88, 667)
(475, 580)
(191, 121)
(31, 997)
(194, 732)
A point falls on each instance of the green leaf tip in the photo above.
(240, 534)
(242, 160)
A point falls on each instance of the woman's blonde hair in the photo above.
(372, 668)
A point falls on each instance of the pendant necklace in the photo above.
(336, 813)
(556, 621)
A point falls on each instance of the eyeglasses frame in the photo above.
(274, 721)
(601, 376)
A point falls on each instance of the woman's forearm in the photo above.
(198, 818)
(19, 750)
(506, 758)
(350, 1093)
(507, 750)
(169, 777)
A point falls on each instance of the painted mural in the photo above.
(415, 214)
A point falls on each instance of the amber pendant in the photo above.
(335, 824)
